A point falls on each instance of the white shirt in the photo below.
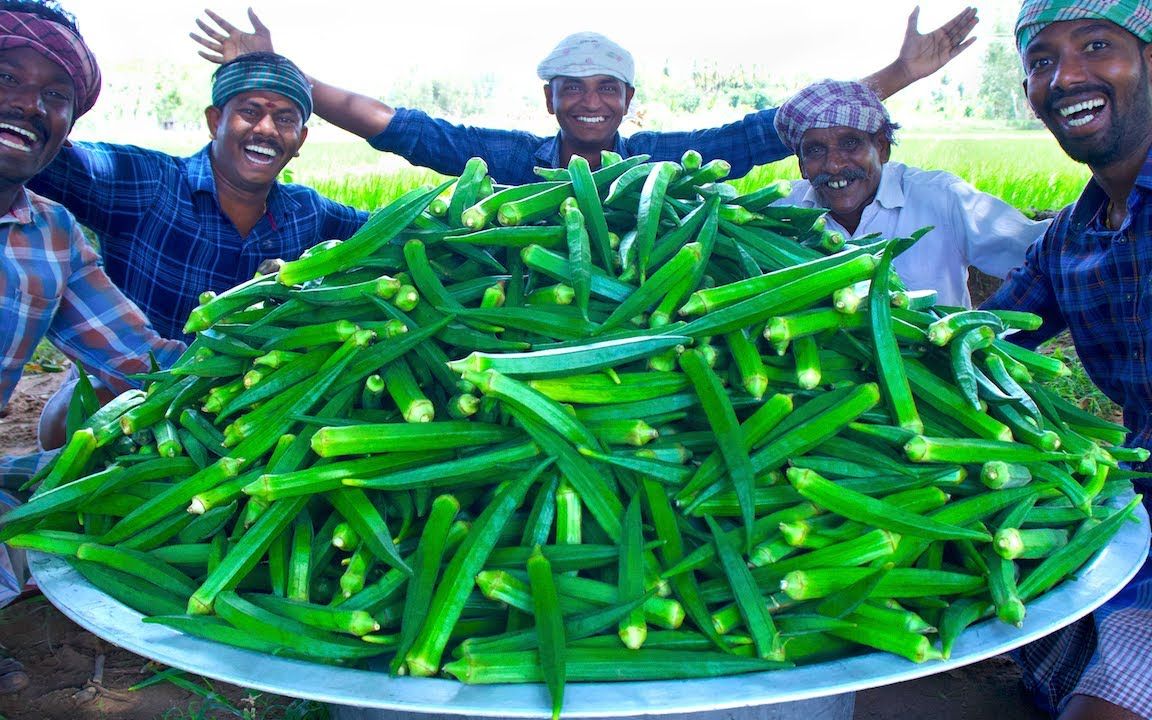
(969, 228)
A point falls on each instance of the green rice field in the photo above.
(1026, 168)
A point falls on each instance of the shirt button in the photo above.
(267, 245)
(1127, 296)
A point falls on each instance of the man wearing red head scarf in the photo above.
(51, 283)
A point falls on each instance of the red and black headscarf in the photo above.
(60, 45)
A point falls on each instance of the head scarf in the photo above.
(1135, 16)
(830, 103)
(262, 71)
(585, 54)
(60, 45)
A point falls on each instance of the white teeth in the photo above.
(15, 146)
(1081, 121)
(1080, 107)
(261, 150)
(590, 119)
(19, 131)
(837, 184)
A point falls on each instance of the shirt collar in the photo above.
(890, 193)
(200, 175)
(1144, 179)
(21, 211)
(201, 179)
(548, 154)
(1093, 199)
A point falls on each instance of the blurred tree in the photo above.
(1000, 95)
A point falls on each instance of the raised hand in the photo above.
(923, 54)
(226, 42)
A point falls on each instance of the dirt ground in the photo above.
(78, 676)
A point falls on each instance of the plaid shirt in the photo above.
(1098, 283)
(52, 286)
(162, 233)
(511, 154)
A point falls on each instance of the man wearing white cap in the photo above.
(590, 81)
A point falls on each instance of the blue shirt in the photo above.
(162, 233)
(52, 286)
(1097, 283)
(511, 154)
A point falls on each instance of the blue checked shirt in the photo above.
(1097, 283)
(52, 286)
(162, 233)
(511, 154)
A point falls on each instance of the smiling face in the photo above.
(37, 107)
(844, 166)
(1088, 81)
(589, 109)
(253, 138)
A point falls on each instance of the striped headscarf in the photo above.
(1135, 16)
(60, 45)
(830, 103)
(262, 71)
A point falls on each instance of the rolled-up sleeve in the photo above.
(996, 234)
(100, 327)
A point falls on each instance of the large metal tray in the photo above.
(1112, 568)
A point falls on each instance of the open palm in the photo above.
(226, 42)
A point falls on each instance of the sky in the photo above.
(365, 45)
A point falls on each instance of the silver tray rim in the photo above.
(107, 618)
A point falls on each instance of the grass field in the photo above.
(1026, 168)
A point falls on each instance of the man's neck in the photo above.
(1117, 181)
(242, 207)
(592, 155)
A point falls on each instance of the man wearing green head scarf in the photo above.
(1088, 77)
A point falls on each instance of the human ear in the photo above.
(548, 98)
(212, 117)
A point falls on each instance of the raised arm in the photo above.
(922, 54)
(358, 114)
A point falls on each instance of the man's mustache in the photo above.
(848, 174)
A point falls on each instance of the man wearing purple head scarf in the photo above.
(1088, 77)
(842, 136)
(51, 283)
(589, 81)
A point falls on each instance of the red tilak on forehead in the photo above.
(60, 45)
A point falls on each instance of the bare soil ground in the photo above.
(78, 676)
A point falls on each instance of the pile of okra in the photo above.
(621, 424)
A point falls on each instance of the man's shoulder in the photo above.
(911, 176)
(95, 147)
(938, 187)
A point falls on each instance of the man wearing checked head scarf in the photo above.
(51, 283)
(172, 227)
(589, 82)
(842, 136)
(1088, 77)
